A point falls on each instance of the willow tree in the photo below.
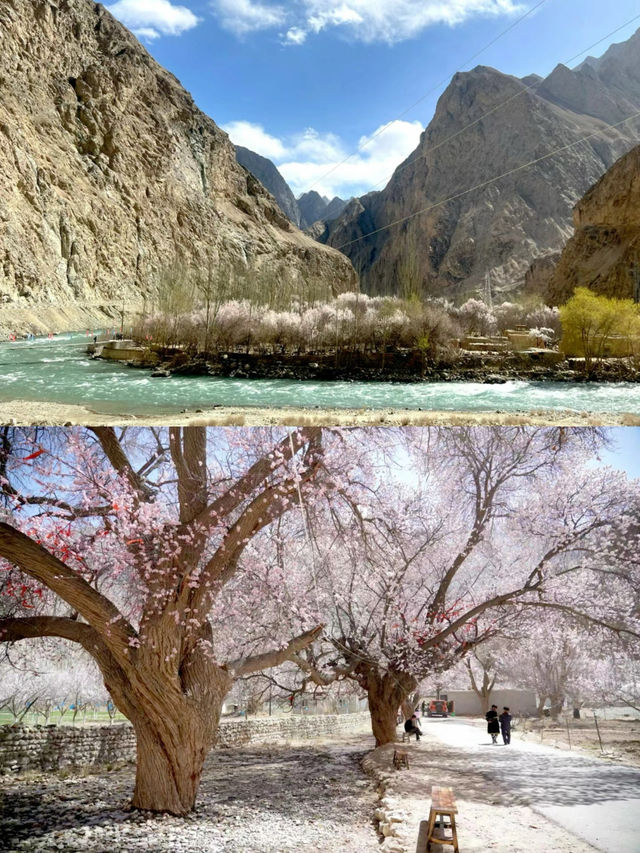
(122, 543)
(483, 528)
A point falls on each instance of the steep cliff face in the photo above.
(270, 178)
(109, 173)
(604, 253)
(484, 127)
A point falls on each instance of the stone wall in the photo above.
(46, 748)
(267, 729)
(51, 747)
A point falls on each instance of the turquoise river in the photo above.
(58, 370)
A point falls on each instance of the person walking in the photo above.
(493, 726)
(505, 725)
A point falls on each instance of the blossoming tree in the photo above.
(490, 526)
(122, 543)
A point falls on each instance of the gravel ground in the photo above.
(258, 799)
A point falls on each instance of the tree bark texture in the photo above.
(386, 694)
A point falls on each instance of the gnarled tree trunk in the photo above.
(386, 694)
(409, 704)
(169, 764)
(175, 714)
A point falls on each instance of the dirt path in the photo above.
(510, 799)
(262, 799)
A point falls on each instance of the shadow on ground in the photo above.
(561, 779)
(278, 787)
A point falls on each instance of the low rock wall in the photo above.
(43, 748)
(52, 747)
(267, 729)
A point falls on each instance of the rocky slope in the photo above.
(316, 208)
(487, 124)
(604, 253)
(270, 178)
(110, 175)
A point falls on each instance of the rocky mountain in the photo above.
(457, 222)
(316, 208)
(110, 176)
(604, 253)
(334, 208)
(270, 178)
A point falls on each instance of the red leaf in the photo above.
(33, 455)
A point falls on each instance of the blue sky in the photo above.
(625, 452)
(306, 82)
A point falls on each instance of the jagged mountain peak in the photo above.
(488, 125)
(269, 176)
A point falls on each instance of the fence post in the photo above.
(598, 730)
(568, 731)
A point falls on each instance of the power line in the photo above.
(435, 88)
(488, 182)
(499, 106)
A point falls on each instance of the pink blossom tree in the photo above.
(489, 526)
(122, 542)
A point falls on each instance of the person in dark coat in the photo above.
(505, 725)
(493, 726)
(412, 726)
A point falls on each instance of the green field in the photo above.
(66, 719)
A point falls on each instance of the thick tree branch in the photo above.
(263, 509)
(34, 560)
(244, 666)
(260, 471)
(117, 457)
(189, 454)
(29, 627)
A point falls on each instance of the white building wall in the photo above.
(518, 701)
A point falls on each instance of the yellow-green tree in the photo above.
(596, 326)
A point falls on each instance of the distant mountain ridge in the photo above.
(309, 209)
(316, 208)
(486, 125)
(270, 178)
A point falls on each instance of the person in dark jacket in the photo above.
(412, 726)
(493, 726)
(505, 725)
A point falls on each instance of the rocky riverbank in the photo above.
(25, 413)
(400, 366)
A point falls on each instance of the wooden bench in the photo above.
(406, 736)
(443, 805)
(400, 758)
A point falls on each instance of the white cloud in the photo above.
(245, 16)
(296, 35)
(367, 21)
(150, 19)
(314, 160)
(254, 137)
(396, 20)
